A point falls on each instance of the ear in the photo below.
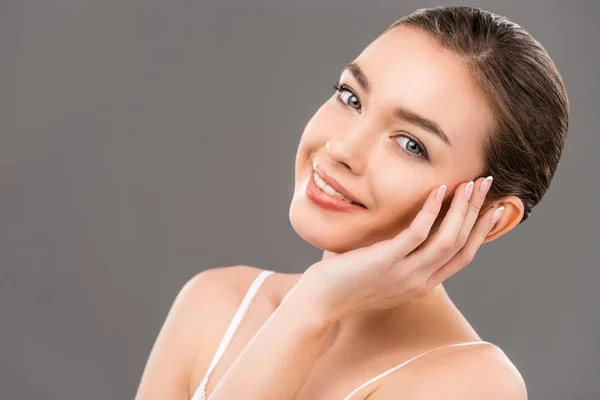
(513, 212)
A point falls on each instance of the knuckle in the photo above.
(461, 241)
(467, 257)
(431, 211)
(381, 257)
(474, 207)
(415, 283)
(446, 244)
(421, 289)
(402, 273)
(418, 234)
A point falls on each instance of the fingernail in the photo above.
(468, 190)
(497, 214)
(486, 184)
(440, 193)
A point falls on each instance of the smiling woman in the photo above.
(451, 98)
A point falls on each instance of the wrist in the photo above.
(305, 309)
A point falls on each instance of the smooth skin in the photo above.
(350, 316)
(377, 277)
(305, 318)
(393, 271)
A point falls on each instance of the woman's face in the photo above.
(376, 138)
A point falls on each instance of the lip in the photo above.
(323, 200)
(334, 184)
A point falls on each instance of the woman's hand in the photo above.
(393, 271)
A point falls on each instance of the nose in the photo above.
(352, 148)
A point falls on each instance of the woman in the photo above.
(448, 97)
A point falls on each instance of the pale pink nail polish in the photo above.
(440, 193)
(497, 214)
(468, 190)
(486, 184)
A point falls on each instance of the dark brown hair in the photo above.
(524, 89)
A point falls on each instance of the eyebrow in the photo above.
(399, 112)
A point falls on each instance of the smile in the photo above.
(325, 196)
(329, 190)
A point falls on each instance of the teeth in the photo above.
(328, 189)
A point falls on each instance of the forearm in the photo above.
(275, 363)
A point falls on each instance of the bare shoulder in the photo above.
(228, 282)
(213, 295)
(210, 296)
(473, 372)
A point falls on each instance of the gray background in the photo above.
(145, 141)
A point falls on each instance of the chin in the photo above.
(335, 232)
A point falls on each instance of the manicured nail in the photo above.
(440, 193)
(486, 184)
(497, 214)
(468, 190)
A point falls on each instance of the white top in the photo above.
(200, 393)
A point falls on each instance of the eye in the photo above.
(414, 148)
(345, 94)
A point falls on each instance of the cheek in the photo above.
(323, 125)
(314, 137)
(400, 196)
(398, 187)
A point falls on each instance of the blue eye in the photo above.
(414, 147)
(345, 94)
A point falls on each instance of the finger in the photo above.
(464, 257)
(477, 200)
(410, 238)
(453, 221)
(442, 244)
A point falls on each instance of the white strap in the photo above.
(389, 371)
(233, 325)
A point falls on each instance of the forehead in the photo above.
(407, 67)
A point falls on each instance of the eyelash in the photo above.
(341, 87)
